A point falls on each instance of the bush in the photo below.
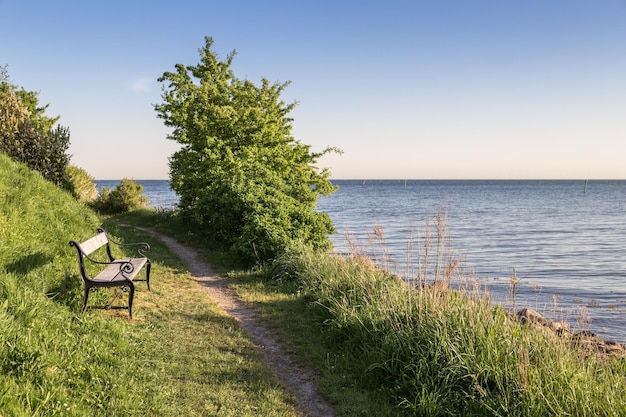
(257, 221)
(44, 152)
(81, 184)
(126, 196)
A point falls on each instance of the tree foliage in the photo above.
(30, 100)
(43, 152)
(12, 113)
(27, 134)
(240, 173)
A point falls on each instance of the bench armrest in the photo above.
(142, 247)
(125, 264)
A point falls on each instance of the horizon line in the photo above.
(415, 179)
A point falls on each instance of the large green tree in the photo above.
(240, 173)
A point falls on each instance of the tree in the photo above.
(27, 134)
(29, 101)
(240, 174)
(12, 113)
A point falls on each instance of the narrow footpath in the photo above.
(298, 381)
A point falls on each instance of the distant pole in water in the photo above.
(586, 183)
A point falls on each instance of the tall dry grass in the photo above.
(434, 343)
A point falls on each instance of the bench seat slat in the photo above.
(112, 272)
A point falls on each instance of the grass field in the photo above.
(383, 348)
(380, 347)
(180, 356)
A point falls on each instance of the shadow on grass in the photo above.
(68, 293)
(29, 262)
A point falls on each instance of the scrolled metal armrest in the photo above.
(142, 247)
(126, 267)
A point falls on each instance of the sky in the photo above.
(437, 89)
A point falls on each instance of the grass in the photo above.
(180, 356)
(380, 347)
(430, 350)
(384, 348)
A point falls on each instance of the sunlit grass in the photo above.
(180, 356)
(424, 348)
(385, 348)
(380, 347)
(202, 355)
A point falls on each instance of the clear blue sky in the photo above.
(408, 89)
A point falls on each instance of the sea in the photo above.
(561, 242)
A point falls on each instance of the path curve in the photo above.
(297, 380)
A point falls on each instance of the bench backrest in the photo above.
(94, 243)
(89, 246)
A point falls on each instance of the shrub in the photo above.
(42, 151)
(258, 221)
(126, 196)
(81, 184)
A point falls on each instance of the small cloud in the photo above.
(142, 85)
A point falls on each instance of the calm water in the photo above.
(565, 244)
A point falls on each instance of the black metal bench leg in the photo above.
(131, 296)
(85, 298)
(148, 265)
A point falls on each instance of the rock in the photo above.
(585, 341)
(613, 348)
(585, 333)
(530, 316)
(559, 327)
(589, 343)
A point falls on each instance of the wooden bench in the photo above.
(119, 273)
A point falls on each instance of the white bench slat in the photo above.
(96, 242)
(112, 272)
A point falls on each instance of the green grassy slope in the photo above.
(43, 341)
(37, 220)
(180, 356)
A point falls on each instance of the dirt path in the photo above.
(297, 380)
